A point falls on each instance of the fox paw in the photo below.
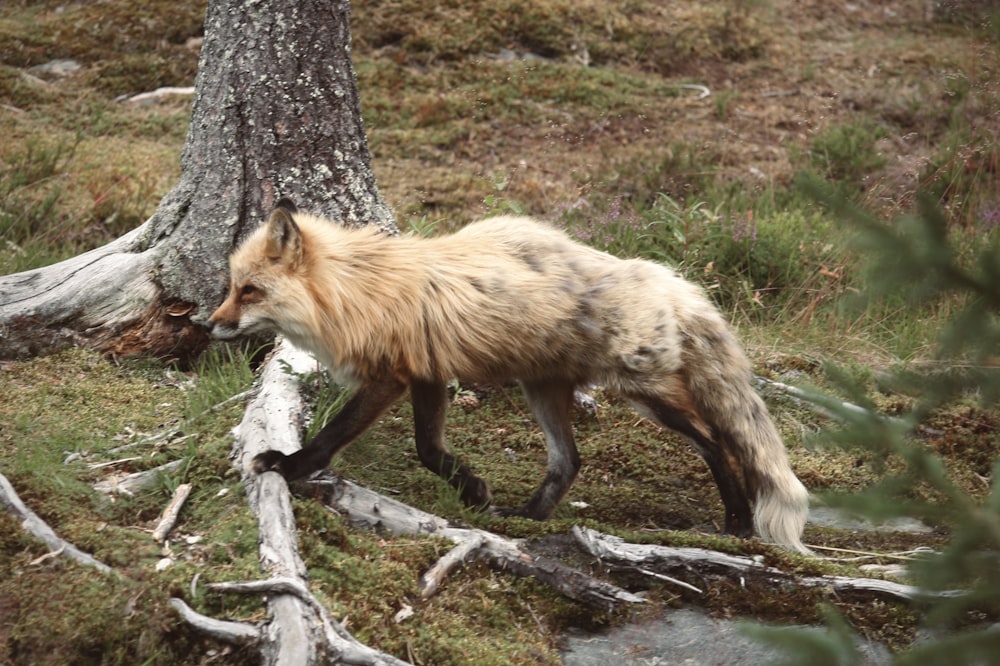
(269, 461)
(518, 512)
(508, 512)
(476, 493)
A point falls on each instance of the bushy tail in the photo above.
(719, 379)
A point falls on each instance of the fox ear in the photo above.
(284, 240)
(287, 204)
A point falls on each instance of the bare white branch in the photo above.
(34, 525)
(300, 632)
(129, 484)
(169, 517)
(709, 562)
(376, 510)
(237, 633)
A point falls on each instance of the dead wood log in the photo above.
(129, 484)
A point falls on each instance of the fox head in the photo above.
(265, 279)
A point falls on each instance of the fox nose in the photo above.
(222, 330)
(213, 327)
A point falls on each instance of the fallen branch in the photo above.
(169, 517)
(378, 511)
(800, 396)
(40, 529)
(159, 94)
(348, 649)
(709, 563)
(129, 484)
(703, 91)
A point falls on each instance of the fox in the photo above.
(510, 299)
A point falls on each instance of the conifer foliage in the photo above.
(917, 260)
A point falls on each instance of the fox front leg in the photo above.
(361, 410)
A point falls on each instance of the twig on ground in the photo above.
(129, 484)
(158, 94)
(169, 516)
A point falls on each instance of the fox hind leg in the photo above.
(726, 468)
(551, 403)
(430, 404)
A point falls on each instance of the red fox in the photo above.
(510, 298)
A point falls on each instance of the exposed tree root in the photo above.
(236, 633)
(654, 559)
(379, 511)
(299, 629)
(34, 525)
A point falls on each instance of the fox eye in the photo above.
(249, 292)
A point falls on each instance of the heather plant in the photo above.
(617, 230)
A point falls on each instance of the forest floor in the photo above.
(589, 114)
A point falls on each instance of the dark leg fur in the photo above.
(551, 404)
(360, 411)
(430, 403)
(720, 455)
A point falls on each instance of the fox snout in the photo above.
(222, 330)
(224, 322)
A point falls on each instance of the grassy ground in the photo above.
(572, 111)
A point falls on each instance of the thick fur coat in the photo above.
(502, 299)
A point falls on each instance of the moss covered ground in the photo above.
(577, 112)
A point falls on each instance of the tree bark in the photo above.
(276, 114)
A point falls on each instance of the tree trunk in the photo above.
(276, 114)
